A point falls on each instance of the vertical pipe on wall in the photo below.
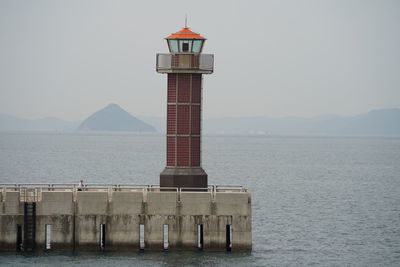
(141, 237)
(47, 236)
(165, 237)
(200, 234)
(228, 237)
(102, 236)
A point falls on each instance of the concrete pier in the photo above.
(109, 217)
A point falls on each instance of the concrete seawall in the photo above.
(110, 219)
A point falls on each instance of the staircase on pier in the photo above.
(29, 226)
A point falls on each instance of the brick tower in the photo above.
(184, 65)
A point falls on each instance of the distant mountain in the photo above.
(158, 122)
(376, 122)
(114, 118)
(11, 123)
(384, 122)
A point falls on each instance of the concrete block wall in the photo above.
(56, 209)
(76, 224)
(91, 211)
(195, 203)
(126, 203)
(11, 215)
(161, 203)
(11, 204)
(122, 226)
(90, 203)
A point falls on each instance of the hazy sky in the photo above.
(272, 58)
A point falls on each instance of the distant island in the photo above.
(381, 122)
(109, 119)
(12, 123)
(114, 118)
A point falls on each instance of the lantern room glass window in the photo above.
(173, 46)
(197, 44)
(185, 46)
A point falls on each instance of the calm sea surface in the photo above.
(323, 201)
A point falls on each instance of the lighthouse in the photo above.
(128, 216)
(184, 65)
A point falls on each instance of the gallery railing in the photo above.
(32, 192)
(203, 63)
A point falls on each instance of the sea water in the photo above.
(323, 201)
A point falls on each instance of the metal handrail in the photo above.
(185, 61)
(103, 185)
(230, 187)
(33, 191)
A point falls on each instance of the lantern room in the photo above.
(185, 41)
(185, 54)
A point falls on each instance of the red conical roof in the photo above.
(185, 33)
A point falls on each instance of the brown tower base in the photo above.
(183, 177)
